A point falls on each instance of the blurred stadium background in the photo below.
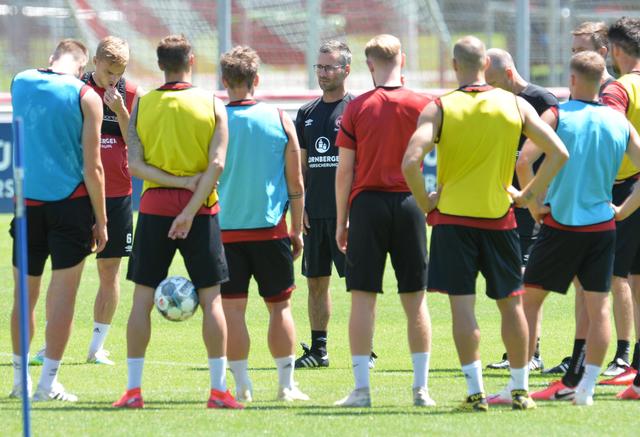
(286, 33)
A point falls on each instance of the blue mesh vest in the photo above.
(596, 137)
(49, 104)
(253, 188)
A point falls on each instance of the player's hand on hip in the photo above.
(99, 238)
(434, 197)
(342, 232)
(516, 196)
(114, 100)
(180, 227)
(538, 211)
(296, 244)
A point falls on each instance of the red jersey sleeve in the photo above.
(346, 136)
(616, 97)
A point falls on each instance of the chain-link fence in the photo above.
(286, 33)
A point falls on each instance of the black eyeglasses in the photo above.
(327, 68)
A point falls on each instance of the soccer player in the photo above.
(624, 96)
(592, 36)
(317, 125)
(578, 234)
(118, 96)
(477, 129)
(65, 219)
(261, 180)
(502, 73)
(376, 215)
(177, 142)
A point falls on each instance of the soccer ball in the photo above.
(176, 298)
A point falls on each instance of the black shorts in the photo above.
(269, 262)
(153, 251)
(559, 255)
(381, 223)
(627, 259)
(527, 232)
(119, 228)
(60, 229)
(458, 253)
(321, 249)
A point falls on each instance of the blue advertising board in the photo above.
(6, 169)
(429, 171)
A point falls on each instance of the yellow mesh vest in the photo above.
(477, 152)
(631, 83)
(175, 128)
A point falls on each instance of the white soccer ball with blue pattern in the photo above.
(176, 298)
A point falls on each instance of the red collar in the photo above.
(175, 86)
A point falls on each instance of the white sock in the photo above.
(360, 365)
(49, 374)
(519, 378)
(473, 375)
(100, 331)
(285, 370)
(17, 370)
(218, 373)
(134, 370)
(240, 371)
(589, 378)
(420, 362)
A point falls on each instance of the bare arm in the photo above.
(530, 153)
(550, 144)
(139, 168)
(217, 153)
(631, 203)
(422, 142)
(295, 185)
(344, 181)
(91, 105)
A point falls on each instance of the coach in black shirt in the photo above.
(317, 125)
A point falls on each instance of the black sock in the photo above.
(537, 351)
(622, 351)
(576, 366)
(635, 362)
(636, 380)
(319, 341)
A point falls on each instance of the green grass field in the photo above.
(176, 378)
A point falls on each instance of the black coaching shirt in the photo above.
(541, 100)
(317, 125)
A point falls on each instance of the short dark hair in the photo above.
(240, 66)
(625, 33)
(339, 47)
(589, 65)
(73, 47)
(173, 53)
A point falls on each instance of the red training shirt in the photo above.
(378, 126)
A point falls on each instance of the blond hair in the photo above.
(383, 48)
(114, 50)
(240, 66)
(588, 65)
(596, 31)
